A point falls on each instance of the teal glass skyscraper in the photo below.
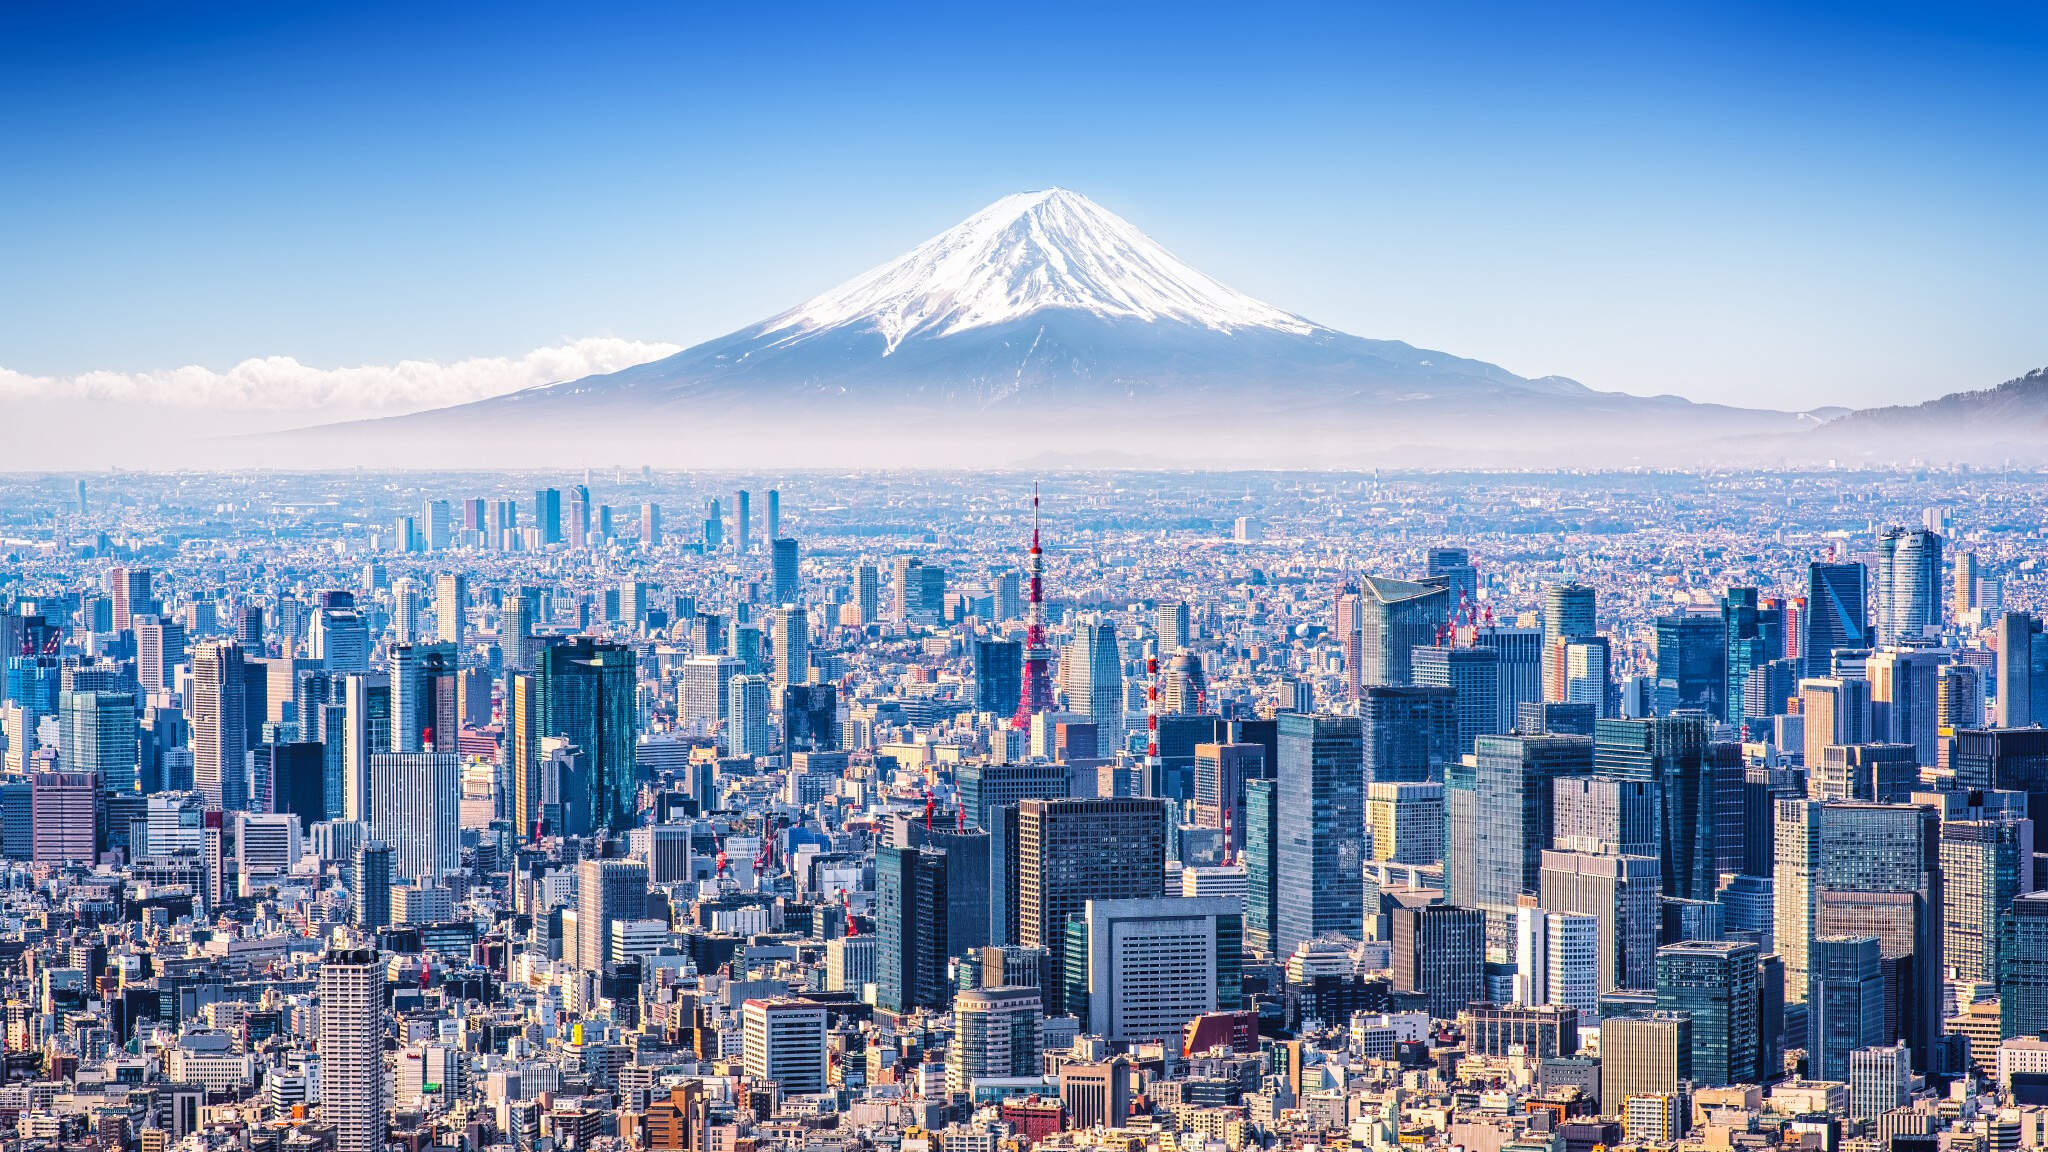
(585, 690)
(1715, 982)
(1321, 799)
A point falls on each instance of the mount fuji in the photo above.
(1046, 327)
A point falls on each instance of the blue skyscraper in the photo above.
(1321, 798)
(1837, 613)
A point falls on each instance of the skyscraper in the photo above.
(747, 732)
(998, 676)
(1621, 894)
(1321, 798)
(370, 885)
(1395, 617)
(1844, 1003)
(1753, 633)
(1904, 699)
(931, 904)
(1473, 675)
(2023, 966)
(1715, 982)
(1699, 795)
(1568, 615)
(742, 522)
(1454, 567)
(99, 736)
(774, 514)
(783, 570)
(789, 633)
(1173, 626)
(995, 1033)
(1440, 956)
(451, 605)
(1985, 866)
(1072, 851)
(1499, 837)
(1909, 585)
(415, 806)
(1835, 711)
(1152, 965)
(606, 891)
(1262, 864)
(547, 515)
(1408, 733)
(353, 1097)
(585, 691)
(1092, 676)
(1837, 613)
(220, 726)
(1692, 664)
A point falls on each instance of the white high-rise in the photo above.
(415, 806)
(789, 634)
(783, 1040)
(747, 735)
(1557, 959)
(451, 602)
(352, 1089)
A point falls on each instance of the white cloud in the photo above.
(280, 383)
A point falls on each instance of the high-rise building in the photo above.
(370, 886)
(1500, 819)
(867, 594)
(159, 649)
(742, 522)
(1834, 711)
(1864, 869)
(1568, 615)
(1262, 864)
(1139, 970)
(2022, 647)
(607, 891)
(1837, 614)
(451, 605)
(774, 514)
(1844, 1003)
(1440, 956)
(1395, 617)
(415, 806)
(577, 530)
(1909, 600)
(64, 817)
(1880, 1080)
(1221, 771)
(353, 1096)
(1904, 691)
(1753, 633)
(1621, 894)
(810, 718)
(1985, 866)
(1714, 982)
(995, 1034)
(2023, 966)
(1644, 1054)
(1072, 851)
(547, 515)
(1473, 676)
(1406, 821)
(984, 787)
(1321, 798)
(1408, 733)
(585, 692)
(783, 571)
(1557, 959)
(1692, 664)
(220, 724)
(789, 633)
(998, 676)
(1091, 674)
(1173, 626)
(2007, 759)
(100, 736)
(931, 905)
(750, 722)
(783, 1041)
(1699, 795)
(1604, 814)
(1453, 566)
(650, 525)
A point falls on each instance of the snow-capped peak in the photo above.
(1023, 253)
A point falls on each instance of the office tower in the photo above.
(585, 692)
(783, 568)
(547, 514)
(1985, 866)
(1072, 851)
(746, 645)
(1880, 1080)
(1837, 614)
(99, 736)
(1647, 1053)
(995, 1033)
(1500, 822)
(1321, 798)
(985, 788)
(742, 522)
(1221, 772)
(714, 525)
(1963, 597)
(1909, 599)
(774, 514)
(1473, 676)
(220, 728)
(1844, 1003)
(366, 701)
(1958, 699)
(415, 807)
(810, 718)
(998, 675)
(337, 636)
(64, 817)
(1588, 675)
(1904, 686)
(2022, 649)
(931, 904)
(607, 891)
(1878, 773)
(1753, 633)
(1173, 626)
(1395, 617)
(1864, 869)
(1097, 1095)
(747, 733)
(1621, 893)
(1692, 664)
(1147, 967)
(451, 604)
(1715, 982)
(1440, 956)
(1092, 677)
(2023, 966)
(435, 521)
(1604, 814)
(293, 780)
(2013, 760)
(159, 649)
(133, 593)
(706, 696)
(405, 611)
(650, 525)
(1557, 959)
(515, 634)
(1406, 821)
(788, 633)
(1568, 615)
(1408, 733)
(1834, 711)
(783, 1041)
(353, 1100)
(867, 594)
(1262, 864)
(1185, 685)
(1454, 567)
(577, 530)
(423, 698)
(1699, 795)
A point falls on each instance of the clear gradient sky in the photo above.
(1760, 204)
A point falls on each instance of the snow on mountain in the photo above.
(1023, 254)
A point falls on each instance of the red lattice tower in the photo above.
(1036, 696)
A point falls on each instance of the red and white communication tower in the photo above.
(1036, 695)
(1152, 716)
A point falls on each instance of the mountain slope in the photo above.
(1046, 319)
(2009, 420)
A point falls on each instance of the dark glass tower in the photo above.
(1699, 801)
(998, 676)
(1692, 664)
(931, 904)
(1714, 981)
(1844, 1003)
(584, 691)
(1408, 733)
(1322, 829)
(1837, 613)
(1261, 862)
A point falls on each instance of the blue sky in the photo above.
(1782, 205)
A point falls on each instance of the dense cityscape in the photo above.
(947, 812)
